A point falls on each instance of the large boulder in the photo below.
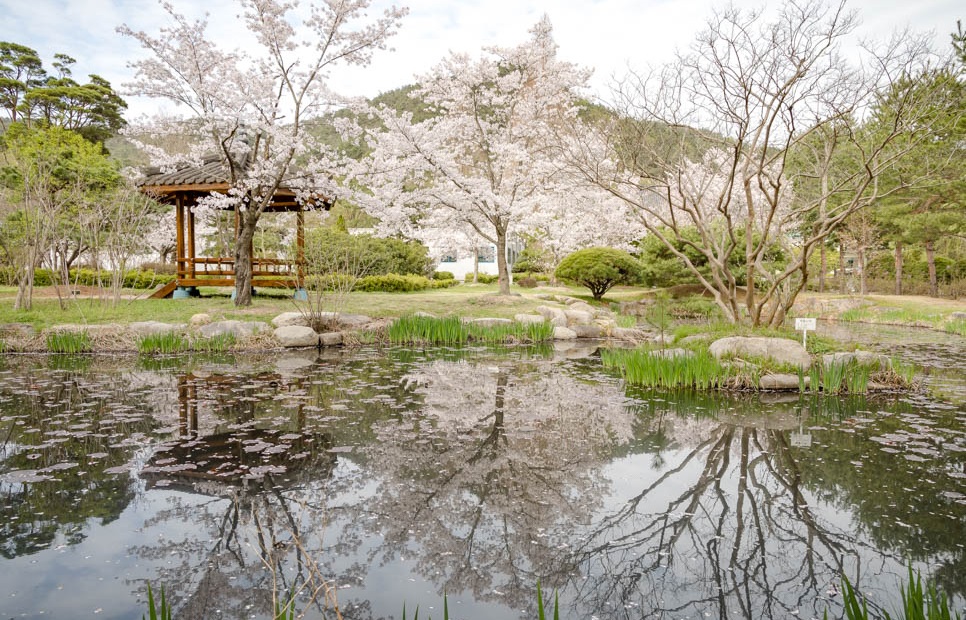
(588, 331)
(145, 328)
(331, 339)
(290, 318)
(862, 358)
(529, 319)
(780, 350)
(564, 333)
(296, 336)
(239, 329)
(779, 381)
(578, 317)
(554, 315)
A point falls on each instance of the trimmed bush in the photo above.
(482, 278)
(443, 275)
(599, 269)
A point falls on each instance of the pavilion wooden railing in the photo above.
(223, 266)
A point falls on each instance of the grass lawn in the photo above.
(468, 300)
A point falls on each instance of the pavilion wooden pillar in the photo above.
(191, 243)
(300, 248)
(179, 235)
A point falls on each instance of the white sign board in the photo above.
(801, 324)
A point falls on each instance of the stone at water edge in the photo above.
(564, 333)
(144, 328)
(779, 350)
(863, 358)
(290, 318)
(779, 381)
(554, 315)
(331, 339)
(296, 336)
(529, 319)
(239, 329)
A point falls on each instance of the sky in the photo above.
(608, 36)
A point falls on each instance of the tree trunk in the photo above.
(898, 268)
(863, 286)
(931, 263)
(842, 279)
(823, 269)
(501, 263)
(243, 260)
(476, 265)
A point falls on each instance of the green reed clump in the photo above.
(157, 613)
(163, 343)
(216, 344)
(419, 330)
(68, 342)
(416, 329)
(650, 369)
(956, 326)
(918, 602)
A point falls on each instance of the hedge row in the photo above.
(387, 283)
(133, 278)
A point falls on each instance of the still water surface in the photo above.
(385, 477)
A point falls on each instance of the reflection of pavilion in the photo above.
(246, 452)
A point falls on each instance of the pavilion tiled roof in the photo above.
(212, 171)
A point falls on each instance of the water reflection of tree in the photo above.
(488, 482)
(731, 527)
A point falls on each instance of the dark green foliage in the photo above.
(482, 278)
(379, 255)
(386, 283)
(443, 275)
(599, 269)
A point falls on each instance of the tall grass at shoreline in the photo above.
(651, 369)
(68, 342)
(426, 330)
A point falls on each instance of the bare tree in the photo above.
(712, 143)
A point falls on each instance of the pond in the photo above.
(383, 477)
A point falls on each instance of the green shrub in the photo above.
(379, 255)
(482, 278)
(527, 282)
(443, 275)
(599, 269)
(392, 283)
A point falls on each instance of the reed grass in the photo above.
(427, 330)
(216, 344)
(157, 613)
(918, 602)
(164, 343)
(68, 342)
(649, 369)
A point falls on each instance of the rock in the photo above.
(239, 329)
(958, 316)
(588, 331)
(583, 306)
(779, 350)
(352, 320)
(17, 330)
(529, 319)
(862, 358)
(108, 329)
(663, 339)
(564, 333)
(296, 336)
(554, 315)
(695, 338)
(197, 320)
(428, 315)
(489, 322)
(630, 334)
(331, 339)
(144, 328)
(779, 381)
(290, 318)
(634, 308)
(578, 317)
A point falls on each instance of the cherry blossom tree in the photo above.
(253, 110)
(484, 159)
(706, 143)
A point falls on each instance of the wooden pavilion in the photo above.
(183, 188)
